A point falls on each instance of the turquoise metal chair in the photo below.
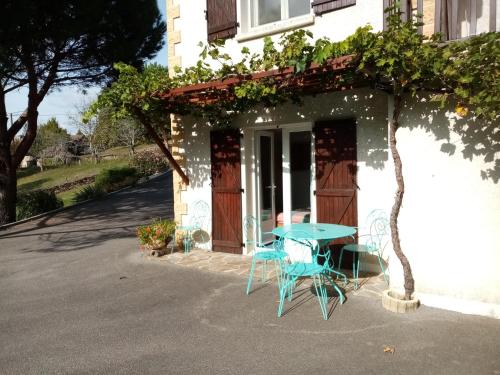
(373, 242)
(317, 269)
(261, 252)
(200, 214)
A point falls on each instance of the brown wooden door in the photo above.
(226, 191)
(336, 185)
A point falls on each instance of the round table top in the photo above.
(319, 231)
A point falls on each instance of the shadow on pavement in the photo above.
(96, 222)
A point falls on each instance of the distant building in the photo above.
(28, 161)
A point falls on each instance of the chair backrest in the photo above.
(379, 229)
(200, 214)
(296, 243)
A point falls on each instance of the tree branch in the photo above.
(35, 97)
(15, 87)
(173, 163)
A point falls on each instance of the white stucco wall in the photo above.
(450, 218)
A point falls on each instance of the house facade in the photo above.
(328, 160)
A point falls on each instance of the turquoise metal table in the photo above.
(321, 232)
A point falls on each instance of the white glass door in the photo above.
(266, 187)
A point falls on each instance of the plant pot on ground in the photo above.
(155, 237)
(396, 302)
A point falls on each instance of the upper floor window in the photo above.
(269, 11)
(258, 18)
(410, 10)
(457, 19)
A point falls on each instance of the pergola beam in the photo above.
(308, 82)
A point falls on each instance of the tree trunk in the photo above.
(409, 283)
(8, 177)
(8, 185)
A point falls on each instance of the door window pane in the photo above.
(298, 7)
(266, 174)
(300, 170)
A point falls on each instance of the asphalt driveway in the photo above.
(76, 297)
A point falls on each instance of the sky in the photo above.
(62, 103)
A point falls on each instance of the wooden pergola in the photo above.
(311, 81)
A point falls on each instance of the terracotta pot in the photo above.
(156, 245)
(395, 302)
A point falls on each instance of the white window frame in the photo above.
(254, 32)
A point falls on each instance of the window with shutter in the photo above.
(221, 19)
(457, 19)
(324, 6)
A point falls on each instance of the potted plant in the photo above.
(156, 235)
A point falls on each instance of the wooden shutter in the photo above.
(221, 19)
(336, 185)
(324, 6)
(226, 191)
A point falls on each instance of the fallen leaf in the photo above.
(389, 349)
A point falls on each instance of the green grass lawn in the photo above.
(67, 196)
(32, 179)
(60, 175)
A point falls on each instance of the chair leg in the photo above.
(250, 277)
(343, 276)
(355, 268)
(283, 292)
(341, 295)
(187, 245)
(340, 259)
(277, 267)
(382, 267)
(320, 294)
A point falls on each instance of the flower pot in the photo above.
(157, 245)
(395, 302)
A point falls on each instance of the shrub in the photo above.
(157, 233)
(88, 192)
(35, 203)
(149, 162)
(110, 180)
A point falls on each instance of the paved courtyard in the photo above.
(76, 297)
